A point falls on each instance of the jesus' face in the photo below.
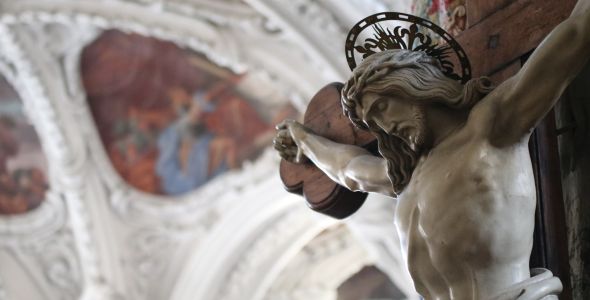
(397, 117)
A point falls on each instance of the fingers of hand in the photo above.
(284, 138)
(285, 145)
(285, 148)
(284, 142)
(288, 154)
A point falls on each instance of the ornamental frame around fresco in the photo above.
(41, 239)
(169, 27)
(124, 198)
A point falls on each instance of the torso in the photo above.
(466, 218)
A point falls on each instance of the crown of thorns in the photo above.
(416, 37)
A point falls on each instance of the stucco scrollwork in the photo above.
(44, 234)
(60, 265)
(41, 223)
(50, 216)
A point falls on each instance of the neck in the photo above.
(444, 121)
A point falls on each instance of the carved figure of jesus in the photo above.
(455, 158)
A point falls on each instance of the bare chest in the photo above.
(471, 187)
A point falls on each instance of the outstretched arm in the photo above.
(350, 166)
(521, 102)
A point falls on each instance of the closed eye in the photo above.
(382, 105)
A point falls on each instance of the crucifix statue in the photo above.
(452, 151)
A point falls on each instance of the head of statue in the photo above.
(388, 94)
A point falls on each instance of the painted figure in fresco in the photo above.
(189, 154)
(133, 152)
(456, 159)
(21, 189)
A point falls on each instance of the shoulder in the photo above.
(485, 117)
(481, 117)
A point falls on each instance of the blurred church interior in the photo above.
(136, 152)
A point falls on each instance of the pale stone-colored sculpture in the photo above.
(456, 159)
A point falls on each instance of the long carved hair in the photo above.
(411, 75)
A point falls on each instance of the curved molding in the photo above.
(49, 265)
(320, 267)
(50, 216)
(249, 246)
(271, 253)
(46, 232)
(39, 224)
(130, 17)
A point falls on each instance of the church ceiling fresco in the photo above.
(23, 166)
(169, 119)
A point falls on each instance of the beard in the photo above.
(402, 153)
(401, 160)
